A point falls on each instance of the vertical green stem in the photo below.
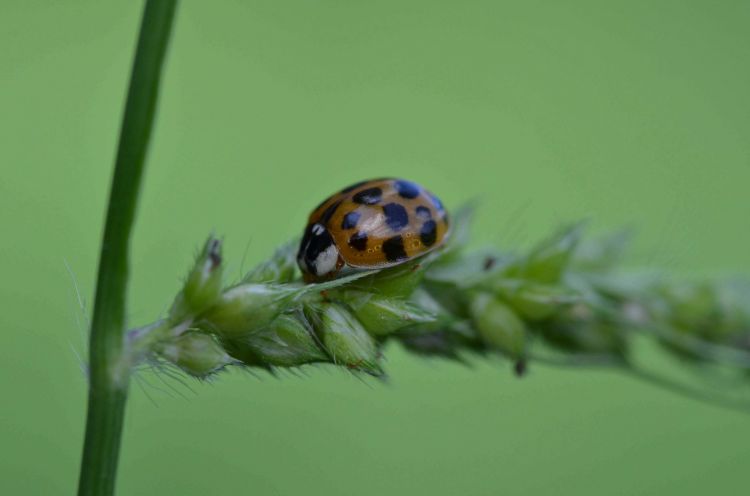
(108, 366)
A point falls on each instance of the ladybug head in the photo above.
(318, 256)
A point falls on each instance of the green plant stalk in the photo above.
(564, 302)
(109, 367)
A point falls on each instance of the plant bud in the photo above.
(279, 269)
(382, 316)
(538, 301)
(422, 299)
(696, 313)
(694, 306)
(285, 342)
(498, 325)
(247, 308)
(346, 341)
(587, 337)
(733, 300)
(548, 260)
(196, 353)
(203, 284)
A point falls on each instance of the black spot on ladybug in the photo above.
(395, 216)
(354, 186)
(329, 212)
(369, 196)
(394, 249)
(428, 233)
(423, 213)
(406, 189)
(305, 241)
(350, 220)
(358, 241)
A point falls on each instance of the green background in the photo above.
(627, 112)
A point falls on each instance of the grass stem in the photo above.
(108, 365)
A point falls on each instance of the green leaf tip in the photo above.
(203, 283)
(196, 353)
(346, 340)
(498, 325)
(549, 259)
(286, 342)
(382, 315)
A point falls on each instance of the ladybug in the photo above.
(371, 224)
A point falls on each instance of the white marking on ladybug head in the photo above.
(325, 262)
(318, 229)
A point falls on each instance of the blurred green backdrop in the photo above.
(628, 112)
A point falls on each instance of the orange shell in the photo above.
(396, 221)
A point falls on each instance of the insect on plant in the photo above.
(379, 261)
(371, 224)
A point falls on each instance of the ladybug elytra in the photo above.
(371, 224)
